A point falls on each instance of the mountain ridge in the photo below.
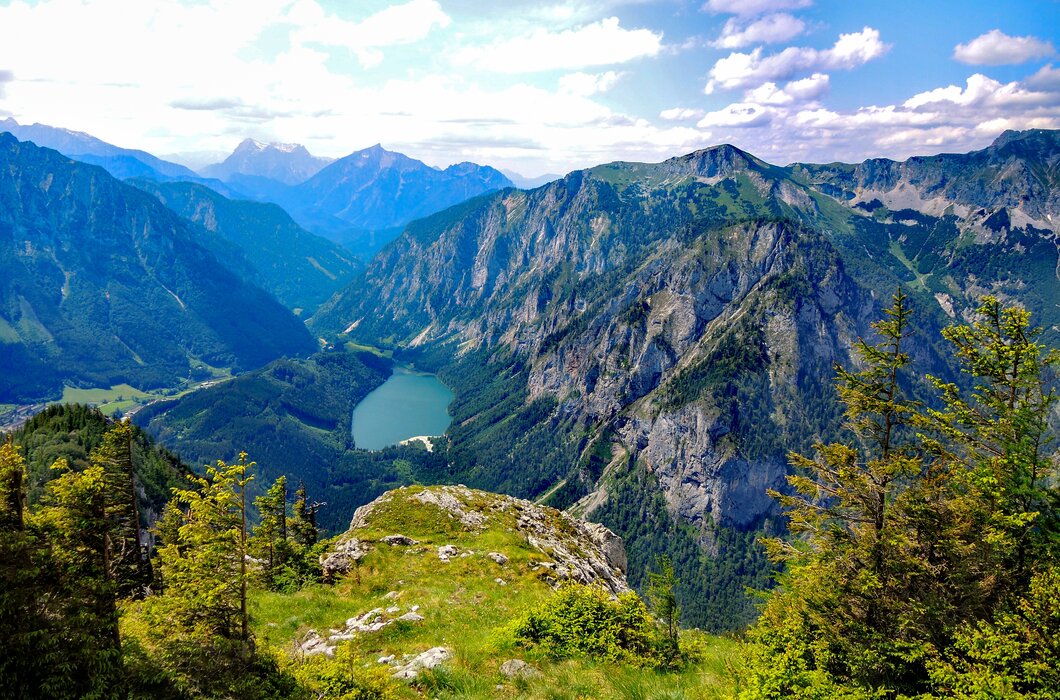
(102, 285)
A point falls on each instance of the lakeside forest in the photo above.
(921, 559)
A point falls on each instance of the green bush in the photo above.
(584, 621)
(344, 678)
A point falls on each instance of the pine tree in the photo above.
(128, 567)
(919, 544)
(204, 568)
(303, 524)
(662, 594)
(270, 535)
(29, 645)
(78, 530)
(998, 443)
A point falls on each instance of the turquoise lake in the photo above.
(408, 404)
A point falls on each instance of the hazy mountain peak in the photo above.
(289, 163)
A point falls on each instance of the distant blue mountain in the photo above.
(362, 200)
(287, 163)
(122, 163)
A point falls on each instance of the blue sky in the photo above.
(536, 86)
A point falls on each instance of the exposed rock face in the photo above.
(1016, 173)
(344, 557)
(690, 312)
(313, 643)
(517, 668)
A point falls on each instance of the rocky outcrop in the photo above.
(432, 658)
(342, 558)
(569, 549)
(313, 643)
(1016, 174)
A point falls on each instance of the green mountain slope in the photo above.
(301, 269)
(644, 343)
(100, 284)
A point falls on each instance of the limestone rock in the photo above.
(429, 659)
(498, 557)
(399, 541)
(517, 668)
(345, 555)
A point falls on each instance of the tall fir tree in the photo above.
(129, 567)
(270, 535)
(303, 525)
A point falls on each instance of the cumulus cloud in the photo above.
(393, 26)
(587, 84)
(738, 114)
(771, 29)
(995, 48)
(680, 114)
(749, 8)
(983, 92)
(744, 70)
(1047, 78)
(804, 90)
(950, 118)
(598, 44)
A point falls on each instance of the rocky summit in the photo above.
(447, 524)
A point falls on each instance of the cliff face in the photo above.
(1019, 173)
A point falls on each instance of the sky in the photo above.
(536, 86)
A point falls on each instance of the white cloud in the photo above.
(770, 29)
(804, 90)
(598, 44)
(749, 8)
(393, 26)
(982, 92)
(744, 70)
(738, 114)
(586, 84)
(680, 114)
(1047, 78)
(995, 48)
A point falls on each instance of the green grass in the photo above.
(378, 352)
(467, 611)
(123, 397)
(921, 281)
(120, 397)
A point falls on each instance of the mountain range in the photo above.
(672, 327)
(302, 270)
(101, 284)
(120, 162)
(361, 200)
(640, 343)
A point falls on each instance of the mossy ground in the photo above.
(468, 611)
